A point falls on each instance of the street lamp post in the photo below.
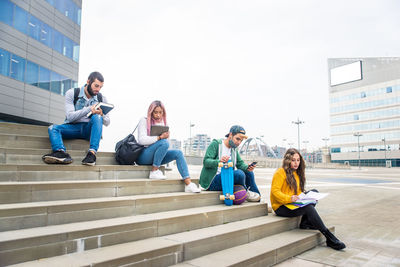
(190, 137)
(298, 122)
(384, 144)
(357, 134)
(283, 142)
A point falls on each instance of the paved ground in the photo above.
(363, 205)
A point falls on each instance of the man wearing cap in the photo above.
(223, 150)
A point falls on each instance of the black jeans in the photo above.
(309, 211)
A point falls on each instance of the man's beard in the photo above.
(89, 89)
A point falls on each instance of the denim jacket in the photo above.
(77, 113)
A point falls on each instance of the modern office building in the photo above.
(39, 58)
(364, 98)
(175, 144)
(197, 145)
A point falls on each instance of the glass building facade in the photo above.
(365, 112)
(39, 58)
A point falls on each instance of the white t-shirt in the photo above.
(226, 151)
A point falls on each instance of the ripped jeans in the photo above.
(91, 130)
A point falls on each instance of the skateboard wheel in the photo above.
(230, 164)
(220, 164)
(232, 197)
(221, 197)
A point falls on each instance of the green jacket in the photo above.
(211, 160)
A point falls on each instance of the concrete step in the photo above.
(267, 251)
(19, 192)
(38, 142)
(51, 172)
(25, 129)
(34, 156)
(165, 250)
(38, 214)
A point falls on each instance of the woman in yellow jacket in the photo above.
(288, 182)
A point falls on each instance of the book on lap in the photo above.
(306, 199)
(106, 107)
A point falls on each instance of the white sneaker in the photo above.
(192, 188)
(253, 196)
(157, 175)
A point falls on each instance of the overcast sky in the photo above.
(260, 64)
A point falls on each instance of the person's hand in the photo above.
(164, 135)
(251, 167)
(225, 158)
(96, 111)
(294, 198)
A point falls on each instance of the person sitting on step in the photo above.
(77, 123)
(156, 151)
(223, 150)
(287, 183)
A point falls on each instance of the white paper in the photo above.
(312, 195)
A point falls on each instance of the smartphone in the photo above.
(253, 163)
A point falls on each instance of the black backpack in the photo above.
(128, 150)
(78, 90)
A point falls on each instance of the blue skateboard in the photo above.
(227, 183)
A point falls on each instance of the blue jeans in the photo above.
(246, 179)
(158, 154)
(91, 130)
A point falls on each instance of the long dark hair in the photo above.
(291, 181)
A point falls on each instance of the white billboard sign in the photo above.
(346, 73)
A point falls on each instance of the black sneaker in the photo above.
(57, 157)
(90, 159)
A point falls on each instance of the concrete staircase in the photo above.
(111, 215)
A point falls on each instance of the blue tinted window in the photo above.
(59, 5)
(6, 12)
(75, 56)
(68, 47)
(4, 62)
(44, 78)
(69, 9)
(57, 41)
(78, 16)
(17, 68)
(32, 73)
(66, 85)
(34, 27)
(21, 20)
(356, 117)
(55, 82)
(45, 34)
(363, 95)
(388, 89)
(74, 84)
